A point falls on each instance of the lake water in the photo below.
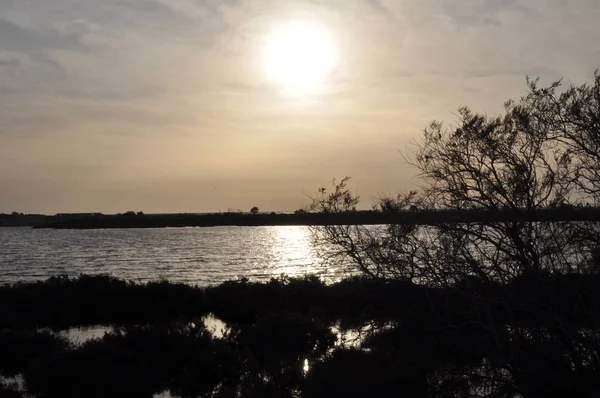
(199, 256)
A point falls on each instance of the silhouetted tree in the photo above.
(532, 157)
(542, 153)
(254, 210)
(572, 119)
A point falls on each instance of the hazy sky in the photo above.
(165, 106)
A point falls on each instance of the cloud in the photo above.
(11, 61)
(17, 38)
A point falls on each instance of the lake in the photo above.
(198, 256)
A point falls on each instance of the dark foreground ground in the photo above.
(527, 339)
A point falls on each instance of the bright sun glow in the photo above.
(299, 57)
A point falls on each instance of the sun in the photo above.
(299, 57)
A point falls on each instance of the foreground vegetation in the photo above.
(414, 340)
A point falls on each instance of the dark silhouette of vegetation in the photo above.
(137, 361)
(412, 215)
(19, 348)
(512, 179)
(60, 302)
(540, 157)
(254, 210)
(23, 220)
(414, 340)
(9, 392)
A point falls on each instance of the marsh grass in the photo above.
(283, 338)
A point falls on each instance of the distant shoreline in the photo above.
(418, 217)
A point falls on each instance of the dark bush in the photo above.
(136, 361)
(19, 348)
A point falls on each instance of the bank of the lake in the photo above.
(283, 338)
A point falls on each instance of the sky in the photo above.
(167, 106)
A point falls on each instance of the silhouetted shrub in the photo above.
(356, 373)
(7, 392)
(61, 302)
(507, 339)
(136, 361)
(19, 348)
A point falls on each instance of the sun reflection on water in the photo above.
(297, 256)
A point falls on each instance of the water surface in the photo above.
(199, 256)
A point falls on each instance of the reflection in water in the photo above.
(215, 326)
(349, 338)
(80, 335)
(305, 367)
(198, 256)
(164, 394)
(16, 383)
(292, 245)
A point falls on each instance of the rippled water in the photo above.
(198, 256)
